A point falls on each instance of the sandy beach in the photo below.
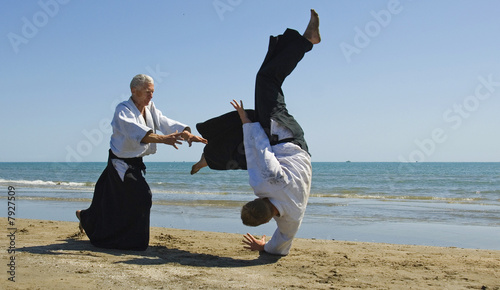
(54, 255)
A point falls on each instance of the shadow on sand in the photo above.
(154, 255)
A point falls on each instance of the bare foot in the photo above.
(199, 165)
(80, 223)
(312, 30)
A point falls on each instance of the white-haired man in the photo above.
(118, 216)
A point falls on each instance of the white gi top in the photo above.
(129, 127)
(283, 174)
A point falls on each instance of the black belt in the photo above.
(134, 162)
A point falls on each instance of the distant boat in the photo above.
(348, 161)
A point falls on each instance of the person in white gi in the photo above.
(275, 151)
(280, 176)
(118, 216)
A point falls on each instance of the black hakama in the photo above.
(225, 150)
(224, 133)
(118, 217)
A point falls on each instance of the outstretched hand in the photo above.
(239, 108)
(172, 139)
(253, 244)
(190, 138)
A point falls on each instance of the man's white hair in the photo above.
(140, 80)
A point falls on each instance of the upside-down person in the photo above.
(275, 152)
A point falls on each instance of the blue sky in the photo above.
(390, 81)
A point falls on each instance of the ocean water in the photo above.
(436, 204)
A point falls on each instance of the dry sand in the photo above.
(53, 255)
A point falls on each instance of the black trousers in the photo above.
(224, 133)
(119, 215)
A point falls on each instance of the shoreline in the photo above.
(52, 255)
(313, 227)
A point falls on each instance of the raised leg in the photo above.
(312, 30)
(284, 53)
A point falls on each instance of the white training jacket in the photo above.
(129, 127)
(283, 174)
